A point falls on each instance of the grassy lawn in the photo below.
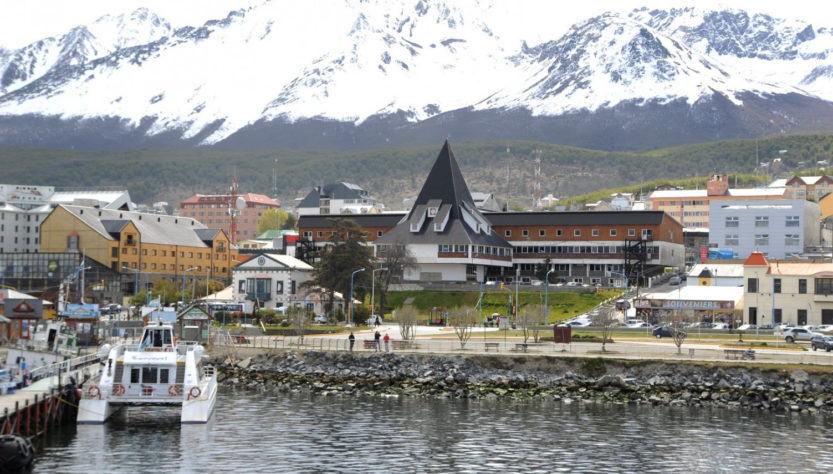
(563, 305)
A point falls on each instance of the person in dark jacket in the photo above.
(352, 339)
(377, 337)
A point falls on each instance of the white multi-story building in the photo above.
(777, 228)
(23, 208)
(338, 198)
(272, 281)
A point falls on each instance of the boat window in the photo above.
(163, 375)
(149, 375)
(157, 338)
(168, 340)
(134, 375)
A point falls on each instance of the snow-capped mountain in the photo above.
(376, 71)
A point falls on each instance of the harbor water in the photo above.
(303, 432)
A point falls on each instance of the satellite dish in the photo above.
(240, 204)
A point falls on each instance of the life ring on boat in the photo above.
(118, 390)
(194, 393)
(175, 390)
(94, 391)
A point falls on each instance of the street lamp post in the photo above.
(547, 298)
(517, 284)
(351, 293)
(183, 284)
(373, 289)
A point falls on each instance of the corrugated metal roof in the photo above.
(153, 228)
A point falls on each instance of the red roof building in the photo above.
(212, 210)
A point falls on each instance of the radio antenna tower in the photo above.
(233, 210)
(536, 199)
(275, 180)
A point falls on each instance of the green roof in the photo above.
(274, 234)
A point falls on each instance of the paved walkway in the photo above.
(437, 339)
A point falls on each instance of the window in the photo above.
(776, 285)
(792, 221)
(732, 221)
(802, 286)
(613, 232)
(577, 233)
(631, 232)
(731, 239)
(752, 285)
(378, 233)
(761, 240)
(144, 251)
(761, 221)
(149, 375)
(594, 232)
(114, 252)
(134, 375)
(279, 287)
(542, 233)
(777, 316)
(559, 233)
(802, 317)
(72, 242)
(824, 286)
(525, 233)
(507, 233)
(791, 239)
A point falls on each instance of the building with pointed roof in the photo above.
(446, 233)
(453, 241)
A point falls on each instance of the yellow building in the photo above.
(130, 242)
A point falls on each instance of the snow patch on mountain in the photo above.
(356, 59)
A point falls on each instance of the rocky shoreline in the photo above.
(523, 377)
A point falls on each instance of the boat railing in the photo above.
(140, 390)
(65, 366)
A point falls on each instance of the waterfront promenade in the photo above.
(434, 339)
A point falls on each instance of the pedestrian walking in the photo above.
(377, 338)
(352, 339)
(387, 342)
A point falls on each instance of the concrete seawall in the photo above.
(485, 376)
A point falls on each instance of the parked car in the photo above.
(825, 328)
(822, 342)
(660, 331)
(720, 326)
(798, 334)
(675, 280)
(573, 283)
(320, 319)
(747, 327)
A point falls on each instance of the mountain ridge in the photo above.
(403, 72)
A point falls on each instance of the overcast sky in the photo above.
(25, 21)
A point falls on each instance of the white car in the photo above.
(798, 334)
(720, 326)
(825, 328)
(747, 327)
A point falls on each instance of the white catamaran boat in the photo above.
(158, 371)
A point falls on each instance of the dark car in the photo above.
(822, 342)
(660, 332)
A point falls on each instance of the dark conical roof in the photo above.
(445, 182)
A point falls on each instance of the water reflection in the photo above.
(302, 432)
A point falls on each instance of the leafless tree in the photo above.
(606, 319)
(461, 321)
(298, 316)
(675, 322)
(406, 317)
(530, 320)
(396, 259)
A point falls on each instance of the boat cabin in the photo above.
(157, 338)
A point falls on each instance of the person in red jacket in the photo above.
(387, 342)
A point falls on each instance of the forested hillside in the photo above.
(504, 168)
